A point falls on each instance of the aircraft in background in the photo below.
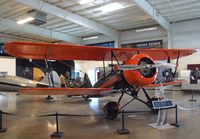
(9, 83)
(14, 83)
(135, 69)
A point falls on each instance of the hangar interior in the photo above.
(141, 24)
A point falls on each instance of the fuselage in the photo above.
(13, 83)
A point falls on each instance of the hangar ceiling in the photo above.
(61, 28)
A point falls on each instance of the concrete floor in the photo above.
(25, 125)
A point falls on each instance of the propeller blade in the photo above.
(133, 67)
(166, 65)
(139, 67)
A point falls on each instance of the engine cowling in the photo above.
(140, 77)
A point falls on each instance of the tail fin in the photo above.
(86, 82)
(56, 79)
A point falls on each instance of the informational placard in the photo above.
(162, 104)
(147, 44)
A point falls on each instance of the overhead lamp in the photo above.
(85, 1)
(25, 20)
(111, 7)
(146, 29)
(90, 38)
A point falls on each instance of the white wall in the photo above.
(186, 34)
(193, 59)
(8, 64)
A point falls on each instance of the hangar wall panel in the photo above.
(186, 34)
(132, 36)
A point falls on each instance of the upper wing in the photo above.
(32, 50)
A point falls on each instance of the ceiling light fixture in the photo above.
(90, 38)
(146, 29)
(85, 1)
(26, 20)
(111, 7)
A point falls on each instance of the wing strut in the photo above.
(177, 60)
(113, 56)
(49, 67)
(104, 68)
(168, 60)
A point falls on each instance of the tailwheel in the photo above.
(49, 97)
(111, 110)
(86, 97)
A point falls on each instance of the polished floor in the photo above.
(26, 125)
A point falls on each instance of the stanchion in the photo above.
(123, 130)
(176, 124)
(192, 97)
(1, 123)
(57, 133)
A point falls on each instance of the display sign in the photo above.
(148, 44)
(104, 44)
(162, 104)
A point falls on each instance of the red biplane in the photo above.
(138, 68)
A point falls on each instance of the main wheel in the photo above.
(111, 110)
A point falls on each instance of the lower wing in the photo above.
(177, 82)
(65, 91)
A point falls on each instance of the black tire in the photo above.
(86, 97)
(111, 110)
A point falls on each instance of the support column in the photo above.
(118, 42)
(170, 40)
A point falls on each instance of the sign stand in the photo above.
(192, 97)
(162, 106)
(176, 124)
(1, 123)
